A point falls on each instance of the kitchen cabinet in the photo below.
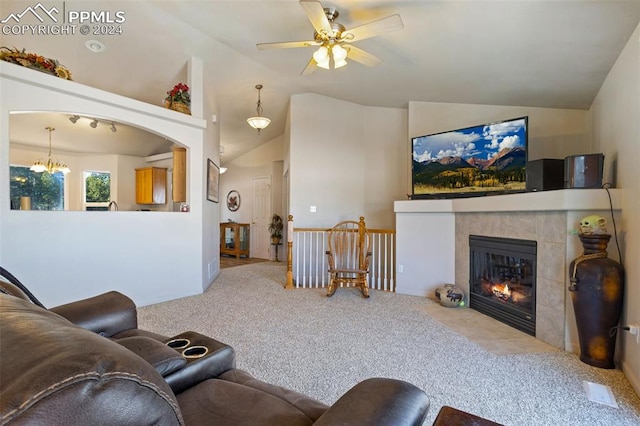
(179, 186)
(234, 239)
(151, 185)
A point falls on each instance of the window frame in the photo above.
(93, 205)
(64, 185)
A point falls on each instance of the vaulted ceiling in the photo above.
(528, 53)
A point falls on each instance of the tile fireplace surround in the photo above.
(545, 217)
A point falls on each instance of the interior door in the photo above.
(260, 240)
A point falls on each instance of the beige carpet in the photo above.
(322, 346)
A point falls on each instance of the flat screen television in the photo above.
(480, 160)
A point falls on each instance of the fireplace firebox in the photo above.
(502, 280)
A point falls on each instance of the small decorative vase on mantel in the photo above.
(597, 285)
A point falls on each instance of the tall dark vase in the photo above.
(596, 287)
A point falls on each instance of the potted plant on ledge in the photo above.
(179, 99)
(275, 229)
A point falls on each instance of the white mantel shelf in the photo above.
(559, 200)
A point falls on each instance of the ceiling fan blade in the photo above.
(315, 13)
(365, 58)
(373, 28)
(286, 44)
(310, 68)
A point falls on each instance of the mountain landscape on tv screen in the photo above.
(503, 172)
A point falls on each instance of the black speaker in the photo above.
(583, 171)
(545, 174)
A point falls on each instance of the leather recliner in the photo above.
(87, 363)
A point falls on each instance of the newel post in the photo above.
(289, 283)
(362, 228)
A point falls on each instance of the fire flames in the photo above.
(506, 291)
(501, 291)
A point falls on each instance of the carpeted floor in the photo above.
(322, 346)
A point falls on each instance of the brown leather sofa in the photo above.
(87, 363)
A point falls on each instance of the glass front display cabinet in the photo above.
(234, 239)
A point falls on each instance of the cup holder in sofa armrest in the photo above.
(164, 359)
(178, 343)
(195, 352)
(205, 357)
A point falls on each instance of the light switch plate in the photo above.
(312, 209)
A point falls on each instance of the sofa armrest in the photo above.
(106, 314)
(378, 401)
(164, 359)
(219, 358)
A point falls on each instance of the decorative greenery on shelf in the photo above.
(179, 93)
(34, 61)
(275, 227)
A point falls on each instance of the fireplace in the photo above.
(502, 280)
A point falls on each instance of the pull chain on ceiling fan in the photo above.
(334, 41)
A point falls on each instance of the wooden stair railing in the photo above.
(307, 265)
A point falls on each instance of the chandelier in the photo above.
(258, 122)
(50, 166)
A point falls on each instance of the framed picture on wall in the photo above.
(213, 181)
(233, 200)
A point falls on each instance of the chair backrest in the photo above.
(349, 242)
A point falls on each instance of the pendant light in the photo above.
(259, 122)
(50, 166)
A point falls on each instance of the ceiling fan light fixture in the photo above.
(258, 122)
(74, 119)
(94, 123)
(321, 56)
(339, 56)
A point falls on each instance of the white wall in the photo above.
(425, 252)
(256, 163)
(385, 144)
(64, 256)
(210, 219)
(616, 133)
(345, 159)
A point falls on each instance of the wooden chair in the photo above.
(349, 255)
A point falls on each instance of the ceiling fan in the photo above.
(334, 40)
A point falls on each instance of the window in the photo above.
(97, 190)
(45, 190)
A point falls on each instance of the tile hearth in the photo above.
(490, 334)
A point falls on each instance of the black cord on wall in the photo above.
(606, 187)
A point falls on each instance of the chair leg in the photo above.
(362, 283)
(365, 290)
(331, 288)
